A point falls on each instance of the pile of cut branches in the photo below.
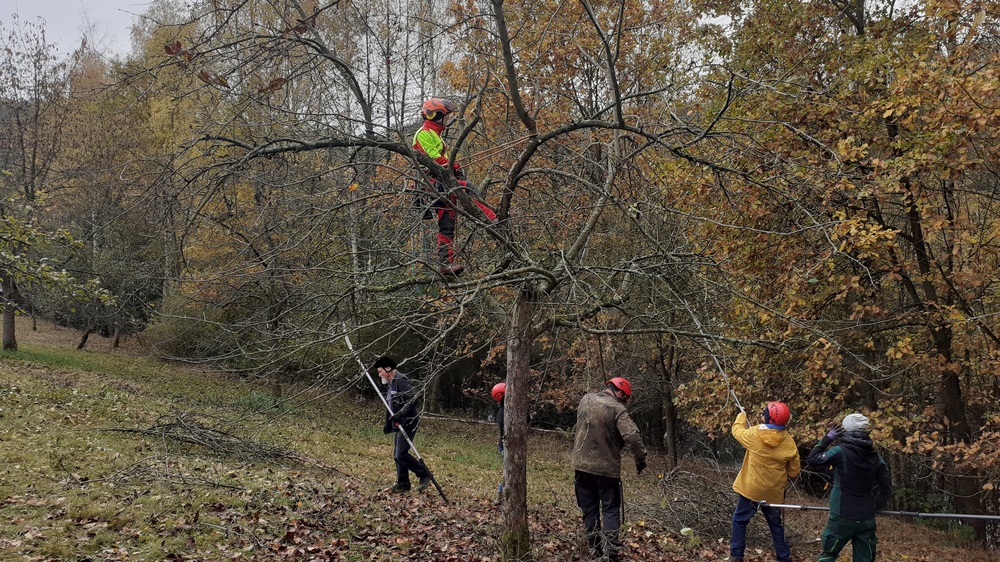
(212, 434)
(217, 436)
(703, 501)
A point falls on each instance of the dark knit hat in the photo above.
(385, 361)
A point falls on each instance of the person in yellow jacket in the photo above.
(771, 459)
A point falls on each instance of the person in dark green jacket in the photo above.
(861, 487)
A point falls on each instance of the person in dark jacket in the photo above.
(603, 429)
(404, 417)
(861, 487)
(498, 392)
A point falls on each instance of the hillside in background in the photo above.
(111, 455)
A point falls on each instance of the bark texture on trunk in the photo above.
(515, 542)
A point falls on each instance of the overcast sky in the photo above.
(106, 23)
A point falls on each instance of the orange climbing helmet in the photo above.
(437, 107)
(621, 384)
(499, 389)
(777, 413)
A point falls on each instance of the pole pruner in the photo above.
(399, 428)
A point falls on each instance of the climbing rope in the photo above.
(492, 151)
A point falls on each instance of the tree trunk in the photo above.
(953, 413)
(9, 309)
(277, 388)
(118, 336)
(950, 403)
(85, 337)
(668, 366)
(515, 542)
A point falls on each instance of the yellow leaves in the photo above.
(352, 187)
(903, 348)
(851, 151)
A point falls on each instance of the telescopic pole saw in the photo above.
(897, 513)
(399, 428)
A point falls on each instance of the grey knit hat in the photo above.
(855, 422)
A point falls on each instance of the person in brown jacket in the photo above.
(603, 429)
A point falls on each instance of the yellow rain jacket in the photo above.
(771, 459)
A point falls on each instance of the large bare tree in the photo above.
(312, 101)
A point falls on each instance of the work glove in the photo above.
(639, 466)
(835, 433)
(459, 171)
(742, 409)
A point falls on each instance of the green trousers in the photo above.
(838, 532)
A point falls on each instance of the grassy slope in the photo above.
(72, 490)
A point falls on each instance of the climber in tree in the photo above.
(436, 113)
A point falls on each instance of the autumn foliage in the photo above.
(723, 202)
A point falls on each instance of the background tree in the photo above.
(872, 232)
(34, 105)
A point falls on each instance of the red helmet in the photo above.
(622, 385)
(434, 107)
(777, 413)
(499, 389)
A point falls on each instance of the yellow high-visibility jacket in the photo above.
(771, 459)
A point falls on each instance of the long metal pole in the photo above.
(399, 427)
(897, 513)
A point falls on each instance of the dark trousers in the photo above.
(745, 510)
(838, 532)
(600, 498)
(405, 462)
